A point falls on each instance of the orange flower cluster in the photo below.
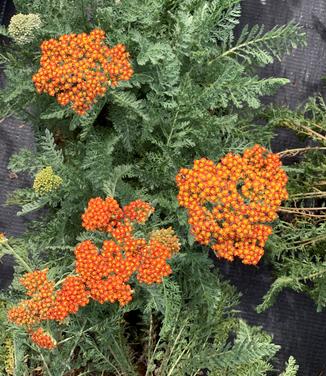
(33, 311)
(78, 68)
(230, 203)
(138, 211)
(153, 266)
(101, 214)
(106, 272)
(43, 339)
(102, 275)
(46, 303)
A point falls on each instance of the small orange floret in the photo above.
(79, 68)
(230, 203)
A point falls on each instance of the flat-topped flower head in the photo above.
(101, 214)
(41, 292)
(138, 211)
(69, 299)
(230, 204)
(168, 238)
(77, 69)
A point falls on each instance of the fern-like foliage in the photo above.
(291, 368)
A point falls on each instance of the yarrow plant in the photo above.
(102, 275)
(193, 83)
(79, 68)
(230, 203)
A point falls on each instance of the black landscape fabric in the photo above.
(293, 320)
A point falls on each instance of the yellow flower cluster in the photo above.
(7, 354)
(167, 237)
(22, 27)
(10, 356)
(46, 181)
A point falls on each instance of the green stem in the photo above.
(104, 357)
(154, 352)
(312, 240)
(293, 152)
(179, 357)
(46, 366)
(301, 196)
(73, 347)
(150, 344)
(173, 347)
(125, 359)
(309, 276)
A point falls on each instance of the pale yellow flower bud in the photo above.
(22, 27)
(46, 181)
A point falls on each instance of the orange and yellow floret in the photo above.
(230, 203)
(100, 274)
(78, 68)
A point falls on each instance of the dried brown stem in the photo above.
(294, 152)
(304, 211)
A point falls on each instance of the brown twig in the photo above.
(306, 129)
(303, 213)
(316, 194)
(294, 152)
